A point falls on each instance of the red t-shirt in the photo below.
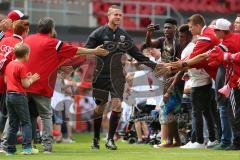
(15, 71)
(46, 54)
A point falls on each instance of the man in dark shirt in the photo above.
(108, 73)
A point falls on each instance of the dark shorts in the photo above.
(102, 87)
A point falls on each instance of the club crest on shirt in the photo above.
(122, 38)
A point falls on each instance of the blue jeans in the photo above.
(225, 111)
(18, 112)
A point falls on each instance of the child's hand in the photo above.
(35, 77)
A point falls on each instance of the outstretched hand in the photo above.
(162, 69)
(100, 51)
(177, 65)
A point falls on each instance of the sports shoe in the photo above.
(29, 151)
(220, 146)
(140, 142)
(35, 151)
(111, 145)
(68, 140)
(95, 144)
(10, 153)
(195, 145)
(47, 150)
(2, 150)
(233, 147)
(211, 144)
(186, 145)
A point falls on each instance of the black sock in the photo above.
(97, 125)
(113, 123)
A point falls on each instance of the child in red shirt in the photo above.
(18, 80)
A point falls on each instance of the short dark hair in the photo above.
(21, 49)
(197, 19)
(171, 21)
(19, 27)
(45, 25)
(184, 28)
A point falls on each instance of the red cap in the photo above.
(16, 15)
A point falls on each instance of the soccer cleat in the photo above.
(95, 144)
(111, 145)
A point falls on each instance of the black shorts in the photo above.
(102, 87)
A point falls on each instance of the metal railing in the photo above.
(81, 13)
(170, 11)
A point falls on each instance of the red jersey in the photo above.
(15, 71)
(9, 44)
(6, 48)
(2, 84)
(231, 43)
(8, 33)
(46, 54)
(205, 42)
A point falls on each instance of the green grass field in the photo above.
(81, 151)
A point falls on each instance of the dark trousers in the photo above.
(201, 106)
(235, 102)
(18, 112)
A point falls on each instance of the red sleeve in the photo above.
(23, 72)
(201, 47)
(64, 50)
(237, 59)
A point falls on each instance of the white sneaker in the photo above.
(186, 145)
(210, 144)
(196, 145)
(156, 146)
(68, 140)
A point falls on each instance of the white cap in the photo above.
(222, 24)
